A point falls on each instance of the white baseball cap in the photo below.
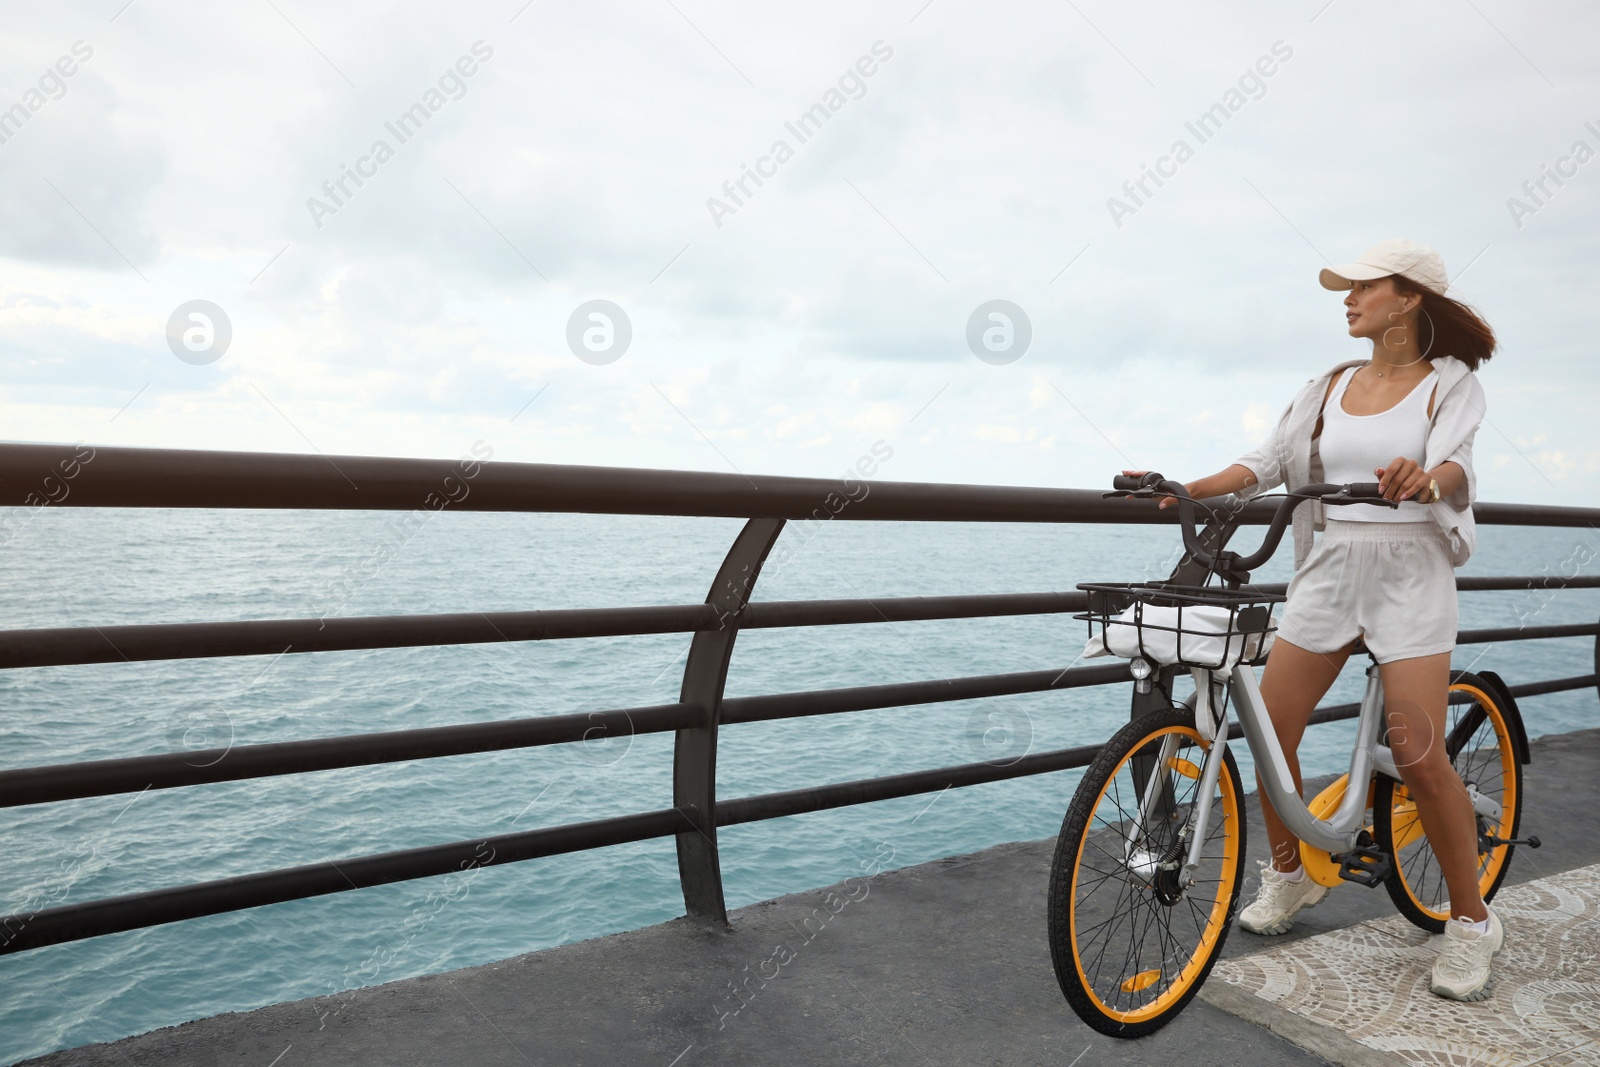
(1411, 260)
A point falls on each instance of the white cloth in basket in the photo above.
(1201, 641)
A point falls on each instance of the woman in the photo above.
(1407, 417)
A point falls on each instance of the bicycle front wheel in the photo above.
(1478, 740)
(1132, 945)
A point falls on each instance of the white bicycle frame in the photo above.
(1335, 834)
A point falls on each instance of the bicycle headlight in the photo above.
(1141, 670)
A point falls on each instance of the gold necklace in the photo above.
(1419, 359)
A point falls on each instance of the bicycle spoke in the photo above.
(1426, 853)
(1128, 952)
(1128, 908)
(1116, 913)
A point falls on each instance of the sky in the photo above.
(913, 162)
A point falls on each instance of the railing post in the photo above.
(694, 760)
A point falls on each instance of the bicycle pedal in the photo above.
(1367, 866)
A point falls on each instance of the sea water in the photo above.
(96, 568)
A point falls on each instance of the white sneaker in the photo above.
(1272, 912)
(1462, 970)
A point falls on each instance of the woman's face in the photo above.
(1372, 307)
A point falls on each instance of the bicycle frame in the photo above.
(1337, 833)
(1126, 880)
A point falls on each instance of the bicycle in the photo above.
(1149, 866)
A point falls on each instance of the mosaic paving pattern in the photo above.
(1371, 982)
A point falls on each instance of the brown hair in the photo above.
(1448, 327)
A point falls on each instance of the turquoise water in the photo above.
(68, 568)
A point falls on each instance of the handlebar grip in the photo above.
(1351, 493)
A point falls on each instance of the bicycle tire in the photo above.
(1480, 739)
(1155, 971)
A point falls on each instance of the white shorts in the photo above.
(1389, 583)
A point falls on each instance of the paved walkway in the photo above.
(1369, 982)
(946, 963)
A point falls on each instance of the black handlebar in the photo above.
(1152, 484)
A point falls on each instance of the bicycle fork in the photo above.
(1206, 712)
(1140, 861)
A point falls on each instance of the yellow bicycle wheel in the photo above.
(1130, 943)
(1479, 742)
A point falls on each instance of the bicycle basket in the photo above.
(1187, 625)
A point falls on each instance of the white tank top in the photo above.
(1352, 446)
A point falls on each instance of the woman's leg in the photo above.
(1291, 685)
(1416, 693)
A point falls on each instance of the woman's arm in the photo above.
(1231, 480)
(1449, 475)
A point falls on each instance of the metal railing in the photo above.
(35, 476)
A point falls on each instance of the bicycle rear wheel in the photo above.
(1131, 946)
(1478, 739)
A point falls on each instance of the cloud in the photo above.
(75, 185)
(576, 161)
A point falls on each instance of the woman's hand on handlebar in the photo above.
(1402, 479)
(1165, 501)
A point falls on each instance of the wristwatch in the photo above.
(1433, 492)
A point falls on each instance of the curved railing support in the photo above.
(694, 758)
